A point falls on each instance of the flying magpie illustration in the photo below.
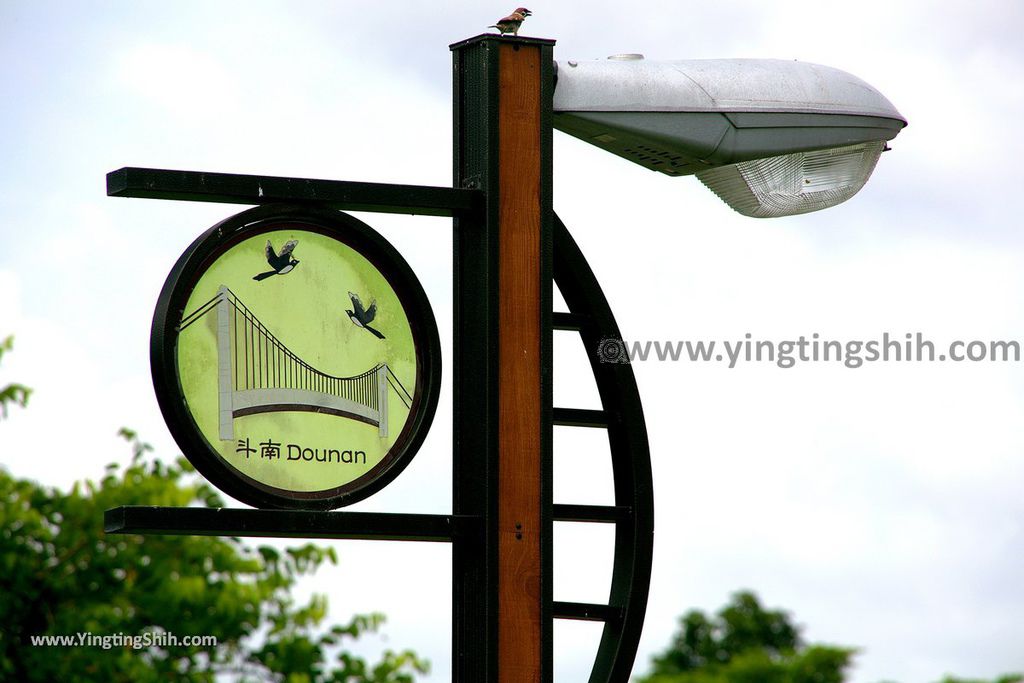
(363, 317)
(281, 263)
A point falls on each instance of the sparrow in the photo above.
(362, 318)
(512, 22)
(281, 263)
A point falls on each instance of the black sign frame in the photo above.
(164, 364)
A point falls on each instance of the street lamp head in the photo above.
(770, 137)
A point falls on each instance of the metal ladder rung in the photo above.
(579, 417)
(568, 321)
(591, 513)
(585, 611)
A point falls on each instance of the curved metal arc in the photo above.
(631, 462)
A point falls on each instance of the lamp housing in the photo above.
(771, 137)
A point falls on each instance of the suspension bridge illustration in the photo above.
(257, 373)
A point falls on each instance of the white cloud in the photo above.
(193, 86)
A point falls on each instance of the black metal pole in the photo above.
(475, 374)
(502, 568)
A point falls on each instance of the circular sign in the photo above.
(295, 358)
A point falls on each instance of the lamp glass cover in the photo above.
(794, 183)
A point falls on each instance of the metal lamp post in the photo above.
(771, 138)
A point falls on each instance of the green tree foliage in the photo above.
(12, 393)
(60, 575)
(745, 643)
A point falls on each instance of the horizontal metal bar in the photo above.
(579, 417)
(591, 513)
(229, 188)
(568, 321)
(585, 611)
(134, 519)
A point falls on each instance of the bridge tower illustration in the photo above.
(257, 373)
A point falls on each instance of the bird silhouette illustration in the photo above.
(361, 317)
(281, 263)
(512, 22)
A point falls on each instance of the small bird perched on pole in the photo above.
(512, 22)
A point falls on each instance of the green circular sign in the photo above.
(295, 358)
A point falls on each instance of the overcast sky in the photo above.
(881, 505)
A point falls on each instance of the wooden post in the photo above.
(503, 90)
(519, 397)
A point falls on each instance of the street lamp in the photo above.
(770, 137)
